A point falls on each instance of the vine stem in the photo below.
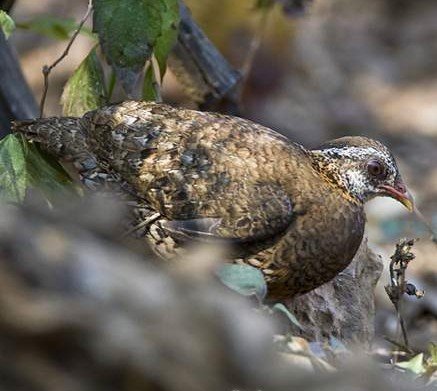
(46, 69)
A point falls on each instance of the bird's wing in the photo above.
(250, 213)
(210, 175)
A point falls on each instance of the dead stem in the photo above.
(47, 69)
(398, 282)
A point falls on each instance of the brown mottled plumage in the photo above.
(295, 214)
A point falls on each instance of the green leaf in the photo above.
(433, 353)
(6, 24)
(85, 90)
(54, 27)
(169, 34)
(129, 30)
(279, 307)
(243, 279)
(111, 84)
(414, 365)
(24, 165)
(149, 93)
(46, 174)
(13, 175)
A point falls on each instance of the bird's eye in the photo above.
(376, 169)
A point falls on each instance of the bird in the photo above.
(295, 214)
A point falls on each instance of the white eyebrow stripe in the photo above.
(357, 151)
(347, 151)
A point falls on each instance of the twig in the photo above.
(47, 69)
(401, 346)
(398, 283)
(142, 224)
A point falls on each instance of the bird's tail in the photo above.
(63, 137)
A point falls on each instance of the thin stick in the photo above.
(399, 345)
(47, 69)
(397, 276)
(402, 324)
(398, 284)
(142, 224)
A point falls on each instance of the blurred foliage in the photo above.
(230, 25)
(264, 3)
(6, 23)
(54, 27)
(290, 7)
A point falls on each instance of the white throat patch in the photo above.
(356, 181)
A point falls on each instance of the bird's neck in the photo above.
(335, 174)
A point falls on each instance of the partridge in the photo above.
(296, 214)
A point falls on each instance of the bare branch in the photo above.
(398, 282)
(48, 68)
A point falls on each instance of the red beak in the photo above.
(399, 192)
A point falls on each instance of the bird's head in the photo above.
(364, 168)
